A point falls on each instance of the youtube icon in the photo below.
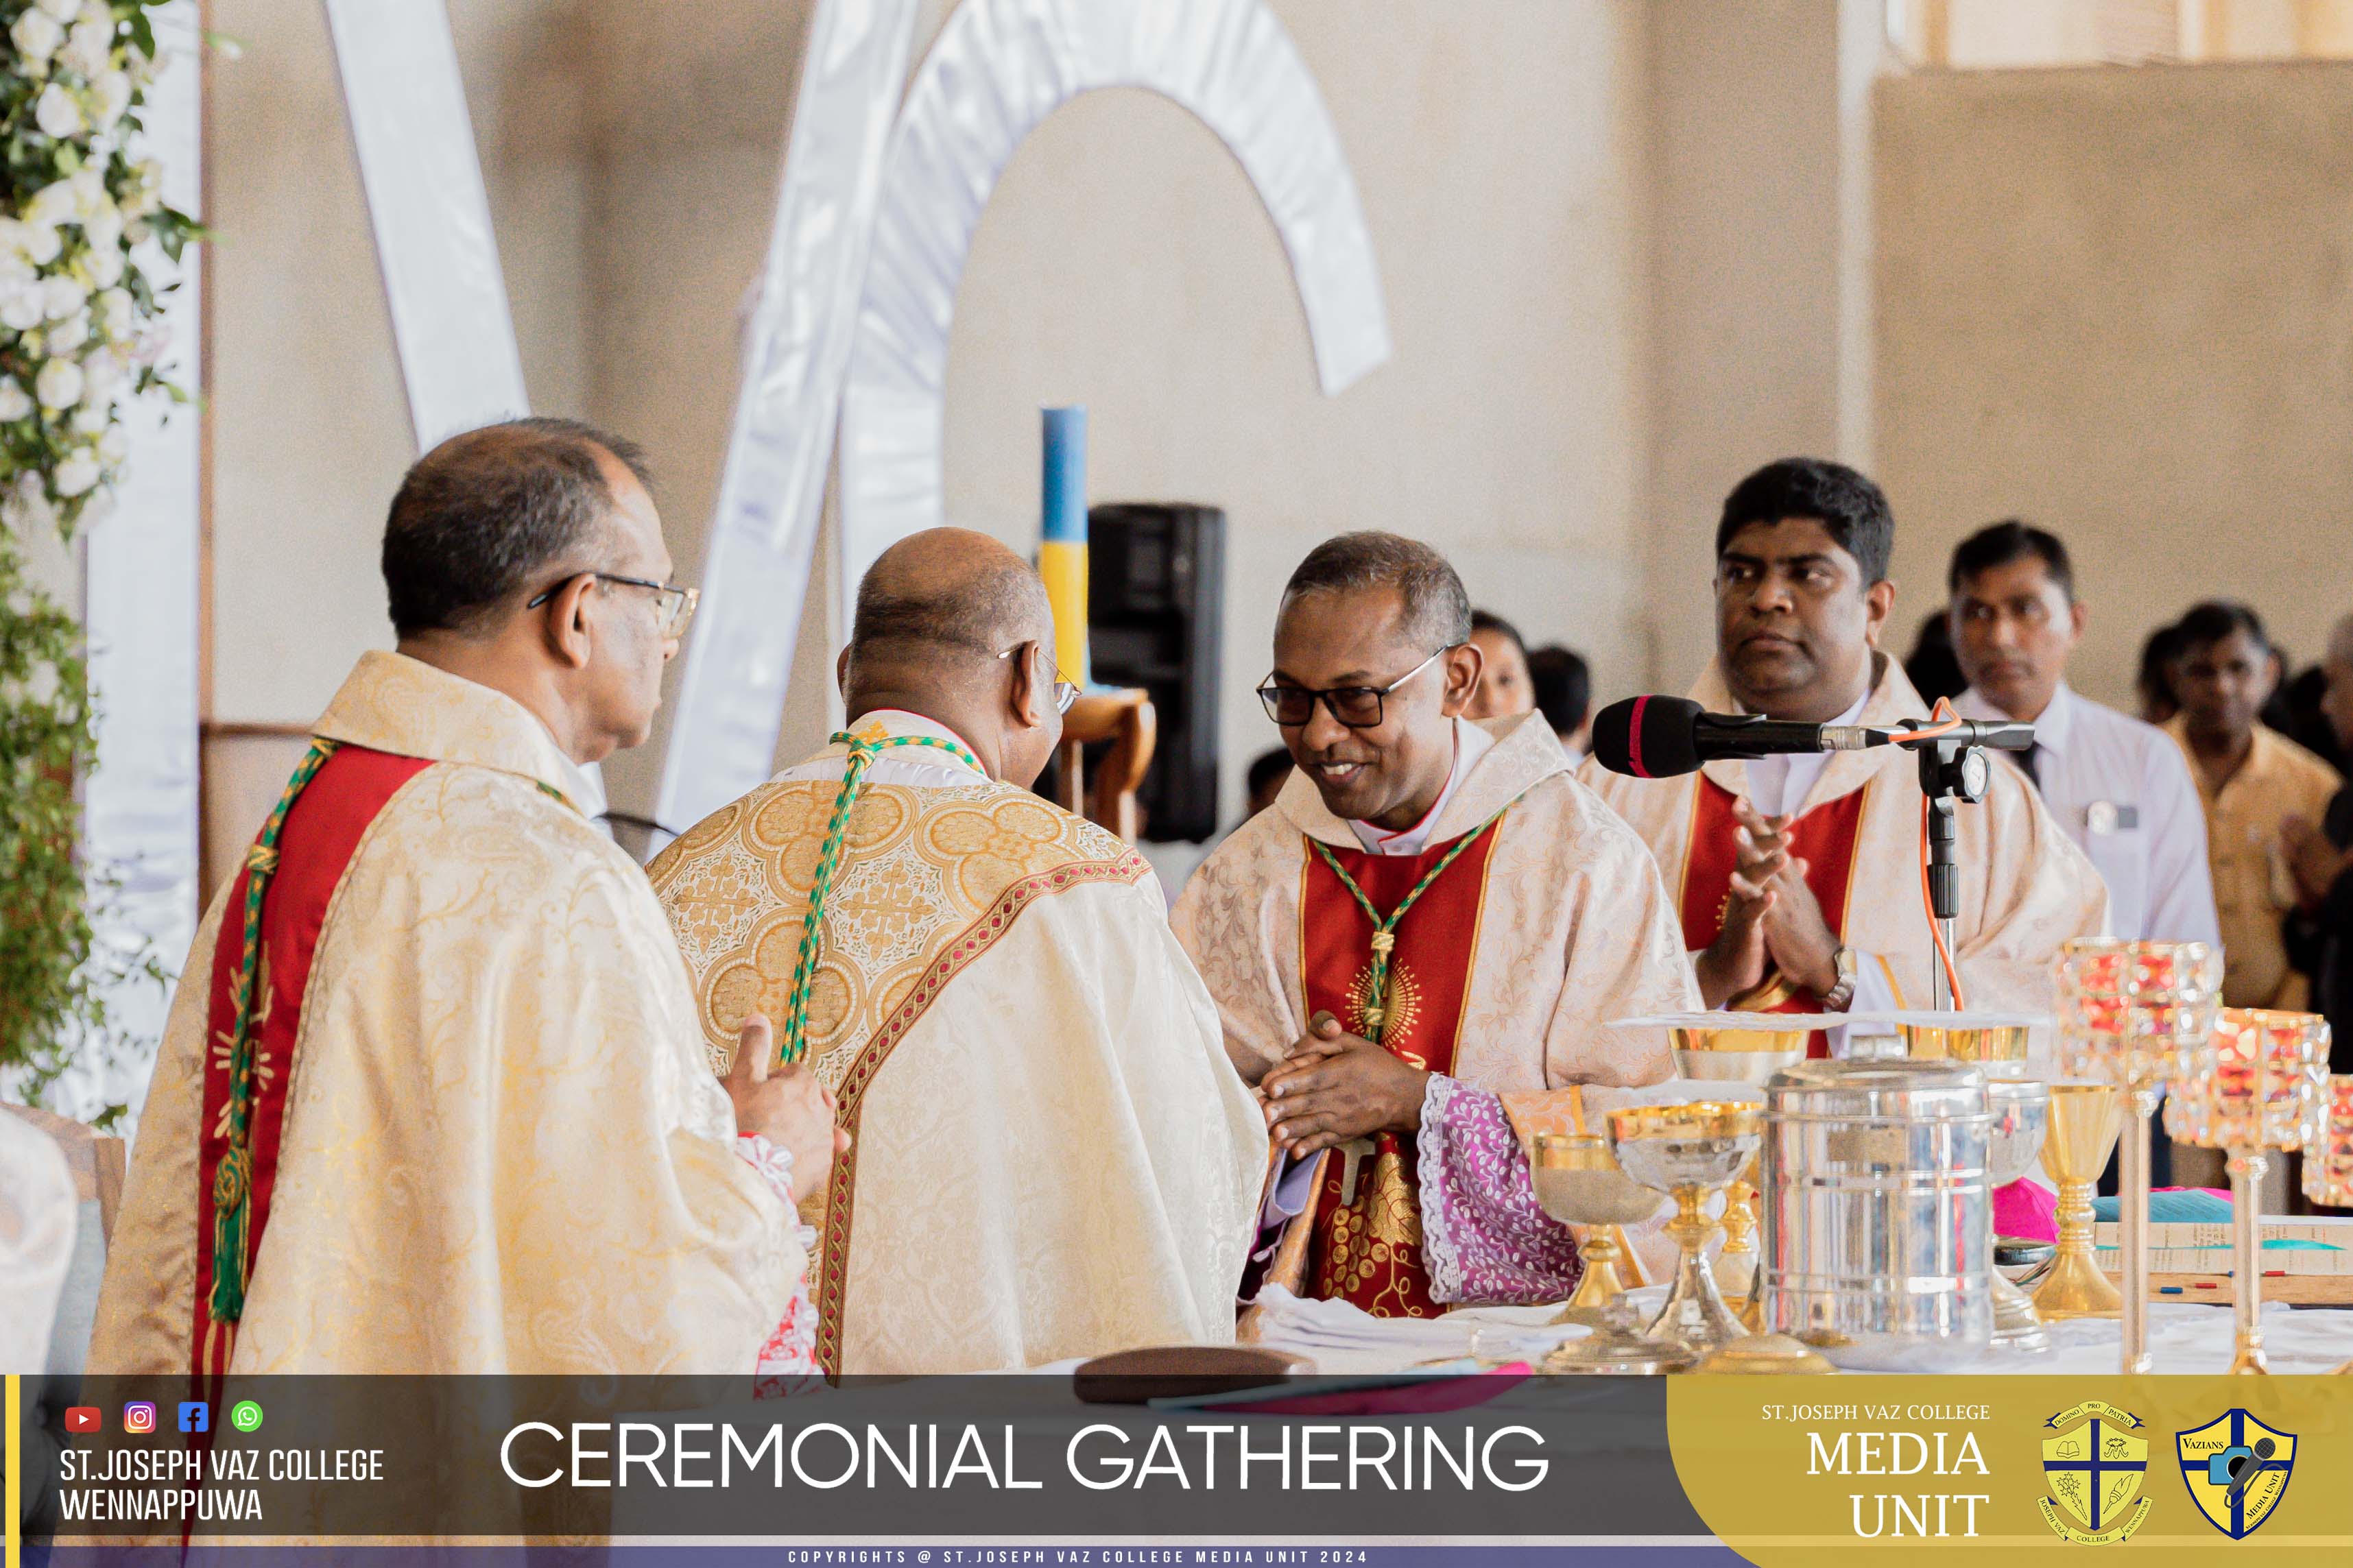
(85, 1418)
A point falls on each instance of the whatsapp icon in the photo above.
(245, 1416)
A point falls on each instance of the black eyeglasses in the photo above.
(1357, 706)
(673, 606)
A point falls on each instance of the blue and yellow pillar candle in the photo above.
(1063, 555)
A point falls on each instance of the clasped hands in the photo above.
(787, 1105)
(1769, 912)
(1332, 1086)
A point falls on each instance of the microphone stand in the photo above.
(1951, 769)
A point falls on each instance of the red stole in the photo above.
(321, 833)
(1824, 838)
(1369, 1251)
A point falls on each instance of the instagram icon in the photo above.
(139, 1415)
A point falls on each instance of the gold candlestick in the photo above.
(1688, 1152)
(1577, 1182)
(2328, 1143)
(2254, 1087)
(2128, 1011)
(2084, 1118)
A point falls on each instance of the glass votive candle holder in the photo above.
(2328, 1143)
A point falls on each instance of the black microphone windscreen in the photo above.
(1648, 737)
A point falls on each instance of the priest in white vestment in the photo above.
(432, 1098)
(1052, 1156)
(1798, 878)
(1417, 950)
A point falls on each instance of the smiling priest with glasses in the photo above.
(1414, 951)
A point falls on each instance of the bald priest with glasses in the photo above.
(1415, 950)
(1049, 1156)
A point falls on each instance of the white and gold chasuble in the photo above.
(1052, 1156)
(1565, 927)
(502, 1149)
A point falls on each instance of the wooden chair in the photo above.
(1127, 721)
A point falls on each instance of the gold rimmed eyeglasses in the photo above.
(1066, 690)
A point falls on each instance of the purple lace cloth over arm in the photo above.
(1484, 1239)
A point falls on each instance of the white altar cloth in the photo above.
(1341, 1339)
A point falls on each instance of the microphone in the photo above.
(1661, 737)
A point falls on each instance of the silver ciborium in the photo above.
(1736, 1046)
(2021, 1109)
(1687, 1151)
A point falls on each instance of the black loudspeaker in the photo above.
(1156, 598)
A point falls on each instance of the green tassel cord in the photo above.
(794, 1046)
(233, 1179)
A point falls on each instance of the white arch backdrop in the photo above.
(997, 69)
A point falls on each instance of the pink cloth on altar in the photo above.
(2027, 1210)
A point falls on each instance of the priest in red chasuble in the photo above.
(1797, 878)
(1413, 952)
(432, 1098)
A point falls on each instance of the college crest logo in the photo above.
(2094, 1463)
(2236, 1469)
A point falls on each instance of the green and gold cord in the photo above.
(794, 1044)
(232, 1180)
(1385, 930)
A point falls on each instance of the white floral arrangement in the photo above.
(81, 327)
(81, 333)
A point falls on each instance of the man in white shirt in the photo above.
(2119, 788)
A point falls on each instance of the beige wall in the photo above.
(1628, 249)
(310, 430)
(1761, 158)
(2116, 301)
(1123, 263)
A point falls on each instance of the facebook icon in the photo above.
(196, 1416)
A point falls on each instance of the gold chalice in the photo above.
(1995, 1045)
(1578, 1183)
(2084, 1119)
(1751, 1055)
(2252, 1088)
(2329, 1149)
(1687, 1151)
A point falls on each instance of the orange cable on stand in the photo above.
(1943, 721)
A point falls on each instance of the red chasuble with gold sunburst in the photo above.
(1367, 1243)
(1823, 837)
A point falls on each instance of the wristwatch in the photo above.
(1836, 998)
